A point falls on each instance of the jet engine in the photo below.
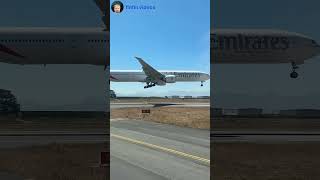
(170, 78)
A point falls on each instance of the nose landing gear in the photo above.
(201, 83)
(294, 74)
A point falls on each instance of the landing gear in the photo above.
(149, 85)
(201, 83)
(294, 74)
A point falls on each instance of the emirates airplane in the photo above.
(261, 46)
(42, 45)
(91, 46)
(153, 77)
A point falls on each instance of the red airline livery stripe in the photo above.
(7, 50)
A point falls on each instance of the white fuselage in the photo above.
(139, 76)
(260, 46)
(54, 46)
(91, 46)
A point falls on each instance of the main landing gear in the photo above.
(201, 83)
(294, 74)
(149, 85)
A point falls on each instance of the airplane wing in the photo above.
(154, 75)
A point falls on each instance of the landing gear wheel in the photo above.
(201, 83)
(294, 74)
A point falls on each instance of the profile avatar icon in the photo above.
(117, 6)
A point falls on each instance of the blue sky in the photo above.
(174, 36)
(267, 86)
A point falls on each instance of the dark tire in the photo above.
(294, 75)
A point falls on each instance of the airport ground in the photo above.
(266, 161)
(237, 153)
(179, 152)
(193, 117)
(144, 150)
(52, 147)
(265, 124)
(170, 141)
(265, 148)
(53, 162)
(159, 100)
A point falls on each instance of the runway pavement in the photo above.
(149, 105)
(265, 136)
(148, 150)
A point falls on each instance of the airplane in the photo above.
(47, 45)
(152, 77)
(261, 46)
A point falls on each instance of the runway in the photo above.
(150, 105)
(265, 136)
(157, 151)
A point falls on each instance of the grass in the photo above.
(198, 117)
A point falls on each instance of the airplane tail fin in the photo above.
(104, 8)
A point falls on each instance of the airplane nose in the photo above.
(206, 76)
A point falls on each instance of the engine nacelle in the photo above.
(170, 78)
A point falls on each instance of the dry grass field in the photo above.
(55, 162)
(241, 161)
(198, 117)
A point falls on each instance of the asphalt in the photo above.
(150, 105)
(8, 176)
(265, 136)
(157, 151)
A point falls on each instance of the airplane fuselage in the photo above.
(90, 46)
(139, 76)
(54, 46)
(260, 46)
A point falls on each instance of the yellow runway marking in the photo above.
(172, 151)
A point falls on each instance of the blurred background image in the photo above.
(265, 105)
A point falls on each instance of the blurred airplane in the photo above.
(261, 46)
(43, 45)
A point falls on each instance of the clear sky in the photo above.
(174, 36)
(267, 86)
(54, 87)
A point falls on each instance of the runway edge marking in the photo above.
(172, 151)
